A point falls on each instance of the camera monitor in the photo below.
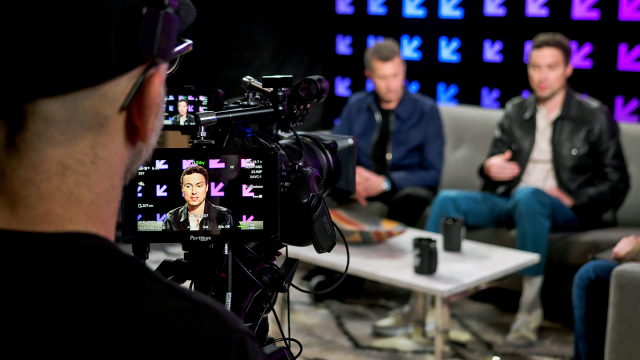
(180, 106)
(204, 194)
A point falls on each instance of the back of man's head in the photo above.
(384, 51)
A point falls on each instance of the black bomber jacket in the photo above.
(587, 155)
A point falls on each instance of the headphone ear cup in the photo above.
(159, 33)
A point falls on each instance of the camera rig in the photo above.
(243, 274)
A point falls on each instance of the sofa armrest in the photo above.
(623, 324)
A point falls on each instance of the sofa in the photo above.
(468, 132)
(623, 321)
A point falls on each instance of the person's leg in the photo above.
(535, 215)
(590, 306)
(408, 204)
(479, 209)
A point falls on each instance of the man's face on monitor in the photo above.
(182, 108)
(194, 189)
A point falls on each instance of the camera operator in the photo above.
(65, 153)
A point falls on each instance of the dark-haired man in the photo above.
(400, 137)
(555, 164)
(198, 214)
(183, 118)
(66, 149)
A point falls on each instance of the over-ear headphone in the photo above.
(159, 32)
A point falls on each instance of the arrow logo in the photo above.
(628, 60)
(413, 87)
(489, 98)
(246, 190)
(369, 85)
(344, 7)
(161, 191)
(160, 218)
(343, 44)
(215, 190)
(629, 10)
(449, 9)
(445, 94)
(139, 189)
(494, 8)
(187, 163)
(491, 51)
(341, 86)
(216, 164)
(409, 47)
(412, 9)
(525, 93)
(376, 7)
(244, 218)
(579, 55)
(139, 217)
(160, 164)
(536, 8)
(623, 113)
(528, 46)
(372, 39)
(583, 10)
(447, 50)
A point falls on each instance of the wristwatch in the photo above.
(386, 184)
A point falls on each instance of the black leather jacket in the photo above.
(178, 218)
(587, 156)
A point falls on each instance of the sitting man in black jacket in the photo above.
(198, 213)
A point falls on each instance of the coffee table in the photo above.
(458, 274)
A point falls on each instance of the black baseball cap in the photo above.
(56, 47)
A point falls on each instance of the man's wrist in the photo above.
(385, 184)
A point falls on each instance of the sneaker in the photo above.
(524, 330)
(399, 322)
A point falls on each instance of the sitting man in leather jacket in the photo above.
(555, 164)
(198, 214)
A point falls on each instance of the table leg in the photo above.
(443, 319)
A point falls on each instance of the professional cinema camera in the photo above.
(248, 186)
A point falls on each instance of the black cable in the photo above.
(290, 339)
(344, 274)
(304, 156)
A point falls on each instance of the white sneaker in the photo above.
(524, 330)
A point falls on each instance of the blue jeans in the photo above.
(531, 211)
(590, 306)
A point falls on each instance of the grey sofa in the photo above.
(468, 133)
(623, 327)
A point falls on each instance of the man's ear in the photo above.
(145, 108)
(367, 73)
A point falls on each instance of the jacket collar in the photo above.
(567, 107)
(184, 211)
(402, 110)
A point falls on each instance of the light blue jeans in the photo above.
(531, 211)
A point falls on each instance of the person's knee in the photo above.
(590, 272)
(530, 199)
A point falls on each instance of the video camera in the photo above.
(248, 185)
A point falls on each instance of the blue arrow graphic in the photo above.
(344, 7)
(376, 7)
(139, 217)
(449, 9)
(341, 86)
(409, 47)
(489, 98)
(161, 191)
(528, 46)
(369, 85)
(343, 44)
(372, 39)
(139, 189)
(494, 8)
(491, 51)
(160, 164)
(413, 9)
(447, 49)
(413, 87)
(536, 8)
(445, 94)
(160, 218)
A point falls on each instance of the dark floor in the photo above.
(341, 328)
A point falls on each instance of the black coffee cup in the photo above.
(425, 256)
(453, 231)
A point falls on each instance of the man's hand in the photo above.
(501, 168)
(368, 184)
(627, 248)
(564, 198)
